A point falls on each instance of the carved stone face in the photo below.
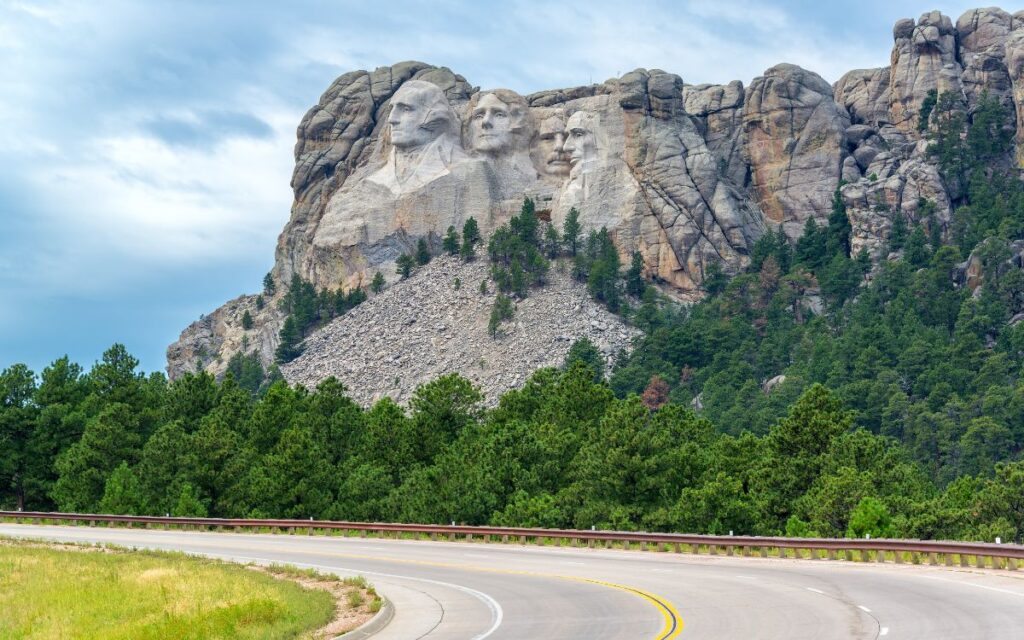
(420, 113)
(554, 159)
(491, 126)
(581, 141)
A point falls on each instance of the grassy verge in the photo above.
(70, 592)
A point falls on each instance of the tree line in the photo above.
(563, 451)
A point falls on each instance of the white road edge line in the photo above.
(497, 614)
(815, 590)
(863, 608)
(884, 631)
(977, 586)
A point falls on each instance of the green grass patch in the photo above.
(75, 593)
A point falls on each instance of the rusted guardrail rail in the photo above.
(949, 553)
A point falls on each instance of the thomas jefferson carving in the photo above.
(499, 130)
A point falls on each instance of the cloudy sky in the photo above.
(146, 147)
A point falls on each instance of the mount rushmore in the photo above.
(687, 175)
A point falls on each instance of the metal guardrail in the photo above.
(984, 554)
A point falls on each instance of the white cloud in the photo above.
(153, 205)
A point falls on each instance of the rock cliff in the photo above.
(686, 175)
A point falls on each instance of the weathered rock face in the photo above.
(210, 342)
(924, 58)
(424, 327)
(686, 175)
(864, 93)
(794, 142)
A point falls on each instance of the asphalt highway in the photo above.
(460, 591)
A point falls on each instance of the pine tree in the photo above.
(839, 228)
(189, 504)
(404, 265)
(377, 285)
(467, 252)
(501, 311)
(289, 346)
(470, 232)
(451, 241)
(269, 286)
(247, 320)
(422, 252)
(571, 230)
(898, 234)
(635, 276)
(552, 241)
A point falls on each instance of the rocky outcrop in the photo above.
(209, 343)
(912, 189)
(436, 323)
(686, 175)
(864, 93)
(794, 141)
(924, 59)
(982, 35)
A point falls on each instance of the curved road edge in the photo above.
(372, 626)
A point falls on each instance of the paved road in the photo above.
(448, 590)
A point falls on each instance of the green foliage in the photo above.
(122, 494)
(562, 451)
(378, 282)
(289, 344)
(925, 112)
(635, 284)
(502, 310)
(598, 265)
(470, 232)
(269, 286)
(451, 241)
(189, 505)
(308, 309)
(423, 254)
(870, 518)
(247, 320)
(517, 259)
(586, 352)
(571, 230)
(247, 371)
(404, 265)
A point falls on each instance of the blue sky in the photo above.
(146, 147)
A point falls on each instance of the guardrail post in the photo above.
(575, 542)
(848, 554)
(522, 539)
(831, 554)
(964, 560)
(880, 555)
(932, 558)
(713, 549)
(451, 537)
(745, 551)
(504, 539)
(1011, 564)
(979, 561)
(764, 552)
(948, 559)
(897, 557)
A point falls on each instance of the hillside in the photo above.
(422, 328)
